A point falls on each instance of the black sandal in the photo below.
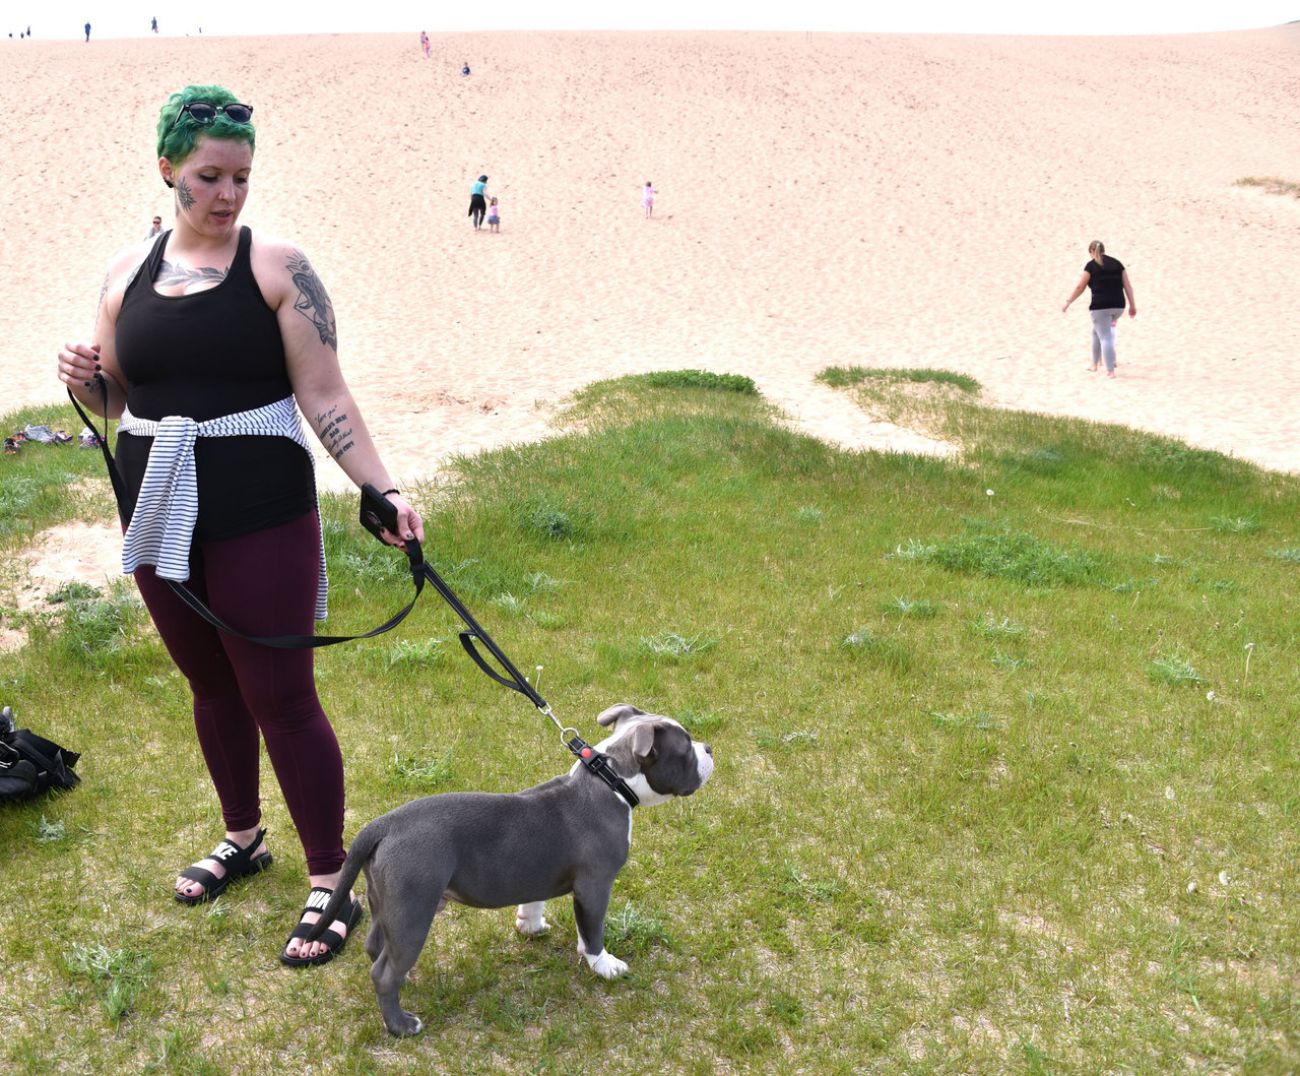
(316, 901)
(239, 863)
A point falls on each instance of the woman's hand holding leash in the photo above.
(409, 523)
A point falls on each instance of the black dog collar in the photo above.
(598, 763)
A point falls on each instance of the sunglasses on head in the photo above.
(203, 112)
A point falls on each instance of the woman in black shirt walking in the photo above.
(1108, 279)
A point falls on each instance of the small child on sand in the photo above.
(424, 43)
(494, 218)
(648, 200)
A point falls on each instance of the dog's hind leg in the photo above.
(405, 931)
(375, 899)
(531, 918)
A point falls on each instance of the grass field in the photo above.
(1007, 771)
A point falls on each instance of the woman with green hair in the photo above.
(207, 344)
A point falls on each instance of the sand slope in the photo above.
(824, 199)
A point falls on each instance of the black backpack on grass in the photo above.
(31, 764)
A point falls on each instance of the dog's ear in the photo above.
(643, 741)
(622, 709)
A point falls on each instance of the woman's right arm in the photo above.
(80, 361)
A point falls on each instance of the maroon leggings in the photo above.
(263, 584)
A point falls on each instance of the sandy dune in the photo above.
(824, 199)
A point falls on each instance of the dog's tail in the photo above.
(363, 847)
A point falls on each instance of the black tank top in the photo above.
(213, 353)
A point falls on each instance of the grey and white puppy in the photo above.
(570, 834)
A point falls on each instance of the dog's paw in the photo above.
(606, 965)
(530, 920)
(532, 926)
(409, 1024)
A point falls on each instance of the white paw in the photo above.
(530, 920)
(531, 926)
(606, 966)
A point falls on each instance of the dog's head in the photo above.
(654, 754)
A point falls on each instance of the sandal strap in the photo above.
(234, 858)
(202, 875)
(317, 899)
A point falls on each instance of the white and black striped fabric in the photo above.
(162, 525)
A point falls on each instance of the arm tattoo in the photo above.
(183, 194)
(170, 274)
(313, 303)
(102, 292)
(335, 432)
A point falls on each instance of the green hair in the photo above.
(176, 141)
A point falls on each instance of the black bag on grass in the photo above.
(31, 764)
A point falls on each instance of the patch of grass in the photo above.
(699, 379)
(119, 976)
(72, 592)
(416, 653)
(628, 927)
(1235, 524)
(1290, 554)
(1017, 557)
(844, 376)
(93, 629)
(699, 724)
(918, 608)
(1271, 185)
(49, 832)
(510, 604)
(671, 644)
(549, 520)
(1175, 671)
(1003, 628)
(795, 738)
(422, 773)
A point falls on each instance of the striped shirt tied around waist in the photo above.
(162, 526)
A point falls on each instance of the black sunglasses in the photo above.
(203, 112)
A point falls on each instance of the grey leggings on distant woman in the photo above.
(1103, 336)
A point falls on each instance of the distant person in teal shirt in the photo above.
(477, 201)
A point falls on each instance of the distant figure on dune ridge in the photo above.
(494, 216)
(464, 71)
(87, 33)
(153, 24)
(1108, 279)
(478, 202)
(424, 44)
(648, 200)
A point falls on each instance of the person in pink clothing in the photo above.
(424, 43)
(648, 200)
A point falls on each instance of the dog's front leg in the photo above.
(531, 918)
(590, 903)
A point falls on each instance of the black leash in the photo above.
(377, 514)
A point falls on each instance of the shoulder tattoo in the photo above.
(313, 302)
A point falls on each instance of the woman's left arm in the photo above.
(310, 335)
(1128, 292)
